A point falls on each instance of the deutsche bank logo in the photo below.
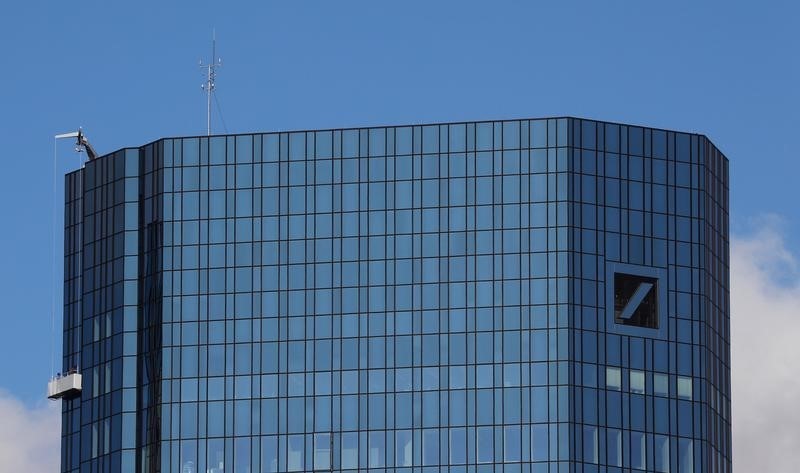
(636, 300)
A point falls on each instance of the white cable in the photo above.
(79, 226)
(77, 242)
(53, 265)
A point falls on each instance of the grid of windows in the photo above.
(656, 199)
(409, 297)
(101, 296)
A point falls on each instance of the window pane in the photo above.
(637, 450)
(430, 447)
(485, 445)
(613, 378)
(511, 444)
(684, 387)
(661, 453)
(294, 456)
(637, 382)
(661, 384)
(539, 442)
(188, 455)
(404, 451)
(269, 454)
(241, 454)
(377, 449)
(685, 455)
(350, 450)
(322, 451)
(216, 454)
(614, 447)
(458, 446)
(590, 444)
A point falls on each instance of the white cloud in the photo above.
(765, 358)
(30, 438)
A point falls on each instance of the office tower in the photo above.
(547, 295)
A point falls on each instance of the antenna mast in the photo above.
(211, 78)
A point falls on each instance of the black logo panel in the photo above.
(636, 300)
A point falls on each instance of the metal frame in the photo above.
(660, 274)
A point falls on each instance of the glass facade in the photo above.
(524, 296)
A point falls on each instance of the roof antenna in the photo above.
(211, 78)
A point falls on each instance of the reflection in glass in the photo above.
(614, 447)
(269, 453)
(377, 449)
(241, 455)
(512, 439)
(294, 455)
(430, 447)
(458, 446)
(404, 450)
(684, 387)
(539, 442)
(660, 384)
(661, 453)
(590, 453)
(485, 445)
(637, 382)
(350, 450)
(322, 451)
(216, 455)
(188, 456)
(638, 457)
(613, 378)
(685, 455)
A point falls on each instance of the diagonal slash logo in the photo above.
(635, 300)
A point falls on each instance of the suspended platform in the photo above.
(66, 386)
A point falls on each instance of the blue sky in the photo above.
(127, 72)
